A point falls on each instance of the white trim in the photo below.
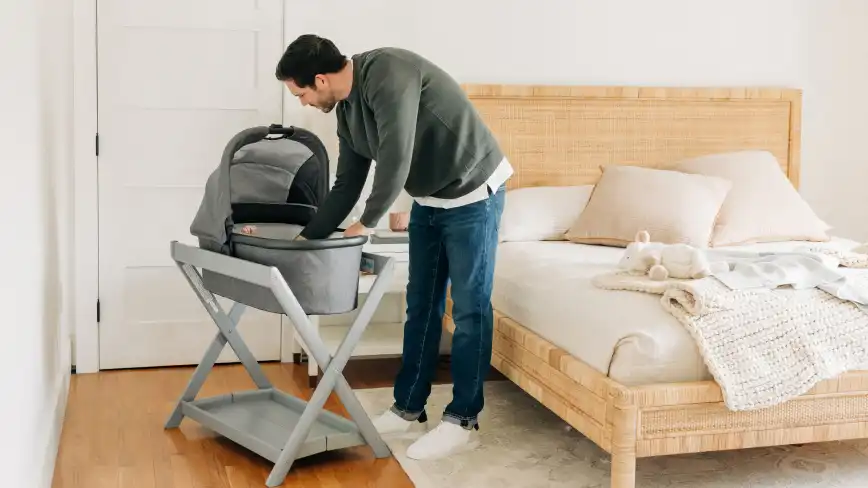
(52, 447)
(86, 212)
(288, 344)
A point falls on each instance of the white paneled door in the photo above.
(176, 80)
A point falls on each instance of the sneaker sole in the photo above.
(458, 450)
(415, 429)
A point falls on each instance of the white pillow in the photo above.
(542, 213)
(763, 206)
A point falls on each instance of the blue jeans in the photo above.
(454, 245)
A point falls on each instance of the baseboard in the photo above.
(53, 445)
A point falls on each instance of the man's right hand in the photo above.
(357, 229)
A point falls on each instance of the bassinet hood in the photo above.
(253, 169)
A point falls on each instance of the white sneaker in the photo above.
(391, 423)
(447, 438)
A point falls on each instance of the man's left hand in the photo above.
(357, 229)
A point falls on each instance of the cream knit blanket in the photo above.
(765, 346)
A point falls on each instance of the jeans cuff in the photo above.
(467, 423)
(411, 416)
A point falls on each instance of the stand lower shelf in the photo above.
(262, 421)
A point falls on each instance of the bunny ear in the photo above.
(643, 236)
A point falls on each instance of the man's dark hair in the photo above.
(308, 56)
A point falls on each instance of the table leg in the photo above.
(312, 366)
(290, 349)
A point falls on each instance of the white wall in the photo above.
(35, 134)
(665, 42)
(834, 75)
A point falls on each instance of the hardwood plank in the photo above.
(113, 435)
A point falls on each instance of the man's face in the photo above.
(319, 95)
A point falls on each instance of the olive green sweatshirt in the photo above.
(419, 126)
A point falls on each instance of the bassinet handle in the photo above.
(277, 129)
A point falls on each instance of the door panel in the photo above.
(177, 79)
(157, 145)
(187, 69)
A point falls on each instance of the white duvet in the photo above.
(547, 287)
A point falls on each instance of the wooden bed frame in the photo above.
(560, 135)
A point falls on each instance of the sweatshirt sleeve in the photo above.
(393, 94)
(352, 172)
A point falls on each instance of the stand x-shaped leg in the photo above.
(227, 334)
(333, 379)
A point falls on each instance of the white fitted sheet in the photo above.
(546, 287)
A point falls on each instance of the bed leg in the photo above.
(624, 470)
(624, 447)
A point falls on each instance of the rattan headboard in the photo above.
(561, 135)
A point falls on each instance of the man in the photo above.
(415, 121)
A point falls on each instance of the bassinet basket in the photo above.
(274, 178)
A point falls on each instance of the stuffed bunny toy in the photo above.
(641, 254)
(663, 261)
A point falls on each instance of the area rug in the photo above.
(524, 445)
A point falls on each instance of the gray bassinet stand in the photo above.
(269, 422)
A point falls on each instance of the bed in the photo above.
(633, 382)
(547, 287)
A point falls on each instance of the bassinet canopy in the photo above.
(269, 174)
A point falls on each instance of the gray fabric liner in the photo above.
(253, 169)
(259, 183)
(282, 232)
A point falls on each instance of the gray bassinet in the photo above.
(273, 178)
(323, 274)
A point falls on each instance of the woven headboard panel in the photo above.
(560, 135)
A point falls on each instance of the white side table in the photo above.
(381, 338)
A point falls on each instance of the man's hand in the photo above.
(357, 229)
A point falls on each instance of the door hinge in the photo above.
(98, 312)
(96, 143)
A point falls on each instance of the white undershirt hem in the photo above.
(502, 173)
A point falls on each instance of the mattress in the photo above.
(546, 287)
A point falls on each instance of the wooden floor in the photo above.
(113, 435)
